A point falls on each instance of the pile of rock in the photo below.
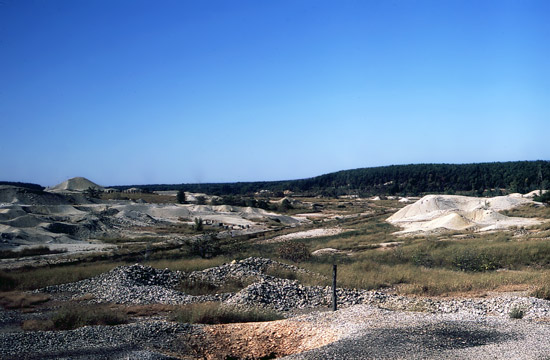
(138, 284)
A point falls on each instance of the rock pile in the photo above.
(138, 284)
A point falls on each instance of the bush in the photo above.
(207, 246)
(294, 251)
(516, 313)
(469, 261)
(199, 224)
(217, 313)
(201, 200)
(421, 258)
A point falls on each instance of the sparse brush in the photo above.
(31, 251)
(75, 317)
(541, 292)
(294, 251)
(7, 282)
(217, 313)
(21, 300)
(281, 272)
(197, 287)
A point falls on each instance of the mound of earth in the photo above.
(76, 184)
(454, 212)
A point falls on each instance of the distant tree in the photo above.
(181, 196)
(285, 205)
(199, 225)
(93, 192)
(201, 200)
(206, 246)
(544, 198)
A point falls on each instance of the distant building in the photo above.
(133, 191)
(111, 191)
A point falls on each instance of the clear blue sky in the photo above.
(137, 92)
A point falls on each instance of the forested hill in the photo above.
(478, 179)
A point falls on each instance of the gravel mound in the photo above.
(76, 184)
(92, 342)
(454, 212)
(138, 284)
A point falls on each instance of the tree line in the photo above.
(479, 179)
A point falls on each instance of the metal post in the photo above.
(334, 299)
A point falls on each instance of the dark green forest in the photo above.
(23, 185)
(480, 179)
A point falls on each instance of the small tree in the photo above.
(199, 226)
(206, 246)
(201, 200)
(544, 198)
(93, 192)
(181, 196)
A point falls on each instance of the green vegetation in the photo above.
(93, 192)
(30, 186)
(180, 196)
(216, 313)
(199, 225)
(472, 179)
(544, 198)
(517, 313)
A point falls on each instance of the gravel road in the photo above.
(370, 333)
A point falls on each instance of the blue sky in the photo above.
(137, 92)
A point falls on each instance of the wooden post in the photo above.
(334, 298)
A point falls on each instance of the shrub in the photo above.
(199, 225)
(217, 313)
(469, 261)
(516, 313)
(201, 200)
(206, 246)
(294, 251)
(421, 258)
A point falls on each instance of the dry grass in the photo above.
(197, 287)
(21, 300)
(150, 198)
(217, 313)
(36, 278)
